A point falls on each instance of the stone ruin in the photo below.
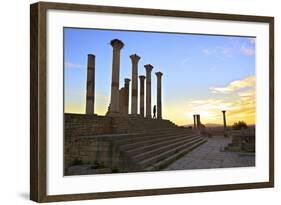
(121, 141)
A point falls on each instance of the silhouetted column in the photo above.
(198, 121)
(159, 95)
(148, 69)
(127, 88)
(194, 121)
(134, 100)
(142, 78)
(121, 100)
(224, 122)
(114, 101)
(90, 96)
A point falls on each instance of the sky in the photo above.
(202, 74)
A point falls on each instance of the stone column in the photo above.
(194, 121)
(121, 100)
(198, 122)
(127, 89)
(142, 78)
(90, 96)
(114, 100)
(134, 100)
(148, 69)
(224, 122)
(159, 95)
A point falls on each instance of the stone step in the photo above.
(161, 149)
(135, 146)
(130, 140)
(146, 123)
(157, 131)
(163, 155)
(165, 162)
(142, 150)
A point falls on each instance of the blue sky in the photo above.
(192, 66)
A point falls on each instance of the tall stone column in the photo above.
(142, 78)
(159, 95)
(134, 100)
(148, 69)
(121, 100)
(198, 121)
(114, 100)
(194, 121)
(90, 95)
(127, 89)
(224, 122)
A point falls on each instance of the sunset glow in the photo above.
(201, 74)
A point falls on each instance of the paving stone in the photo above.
(211, 155)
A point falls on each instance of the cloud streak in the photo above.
(235, 85)
(237, 98)
(247, 51)
(73, 65)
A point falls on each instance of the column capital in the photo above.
(135, 58)
(127, 80)
(91, 55)
(159, 74)
(116, 43)
(223, 111)
(142, 77)
(148, 68)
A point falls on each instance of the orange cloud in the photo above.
(235, 85)
(237, 98)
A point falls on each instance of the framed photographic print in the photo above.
(134, 102)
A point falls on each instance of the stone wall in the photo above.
(100, 150)
(89, 138)
(79, 125)
(242, 140)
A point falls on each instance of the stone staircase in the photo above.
(157, 148)
(126, 143)
(140, 124)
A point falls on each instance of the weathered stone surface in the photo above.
(90, 94)
(212, 155)
(142, 78)
(122, 100)
(242, 140)
(114, 98)
(148, 69)
(134, 100)
(127, 89)
(159, 95)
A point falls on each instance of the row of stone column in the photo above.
(119, 101)
(196, 121)
(117, 46)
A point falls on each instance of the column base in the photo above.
(113, 114)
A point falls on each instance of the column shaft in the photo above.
(148, 68)
(127, 89)
(134, 100)
(224, 120)
(142, 78)
(194, 121)
(114, 100)
(90, 95)
(159, 95)
(198, 121)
